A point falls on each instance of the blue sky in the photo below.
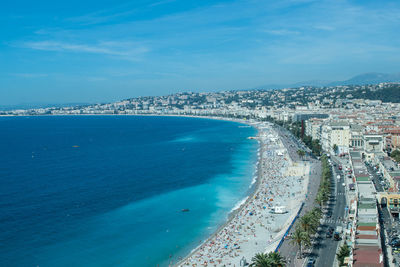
(98, 51)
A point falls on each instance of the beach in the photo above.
(255, 227)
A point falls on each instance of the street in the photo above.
(325, 249)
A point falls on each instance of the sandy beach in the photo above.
(253, 227)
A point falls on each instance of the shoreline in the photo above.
(252, 191)
(254, 188)
(254, 194)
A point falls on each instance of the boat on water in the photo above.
(185, 210)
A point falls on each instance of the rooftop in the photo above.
(367, 256)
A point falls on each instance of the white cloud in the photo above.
(121, 49)
(325, 27)
(282, 32)
(29, 75)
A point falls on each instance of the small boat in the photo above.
(185, 210)
(75, 146)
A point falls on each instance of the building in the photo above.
(356, 136)
(340, 136)
(307, 116)
(314, 128)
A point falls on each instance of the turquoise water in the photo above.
(109, 190)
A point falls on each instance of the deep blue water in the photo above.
(109, 190)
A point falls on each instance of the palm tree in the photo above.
(301, 153)
(272, 259)
(276, 259)
(325, 192)
(343, 253)
(300, 237)
(319, 199)
(260, 260)
(317, 213)
(309, 223)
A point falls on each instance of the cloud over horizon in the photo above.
(160, 47)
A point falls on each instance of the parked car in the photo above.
(395, 243)
(310, 262)
(338, 232)
(328, 234)
(336, 236)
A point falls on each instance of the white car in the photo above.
(344, 184)
(338, 177)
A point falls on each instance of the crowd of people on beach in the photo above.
(255, 227)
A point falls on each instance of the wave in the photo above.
(253, 181)
(239, 203)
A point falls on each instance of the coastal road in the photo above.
(291, 143)
(325, 249)
(287, 249)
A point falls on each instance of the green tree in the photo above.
(272, 259)
(395, 155)
(335, 148)
(316, 147)
(343, 253)
(317, 213)
(300, 238)
(309, 223)
(276, 259)
(307, 140)
(320, 199)
(260, 260)
(301, 153)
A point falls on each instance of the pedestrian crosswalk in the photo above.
(332, 220)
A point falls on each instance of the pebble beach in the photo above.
(254, 227)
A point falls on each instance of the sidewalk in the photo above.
(288, 250)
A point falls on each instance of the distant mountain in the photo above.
(318, 83)
(369, 78)
(365, 78)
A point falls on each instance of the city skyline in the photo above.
(99, 52)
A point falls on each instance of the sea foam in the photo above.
(239, 204)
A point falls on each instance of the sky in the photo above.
(101, 51)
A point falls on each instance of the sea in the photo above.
(117, 190)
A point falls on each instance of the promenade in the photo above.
(287, 249)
